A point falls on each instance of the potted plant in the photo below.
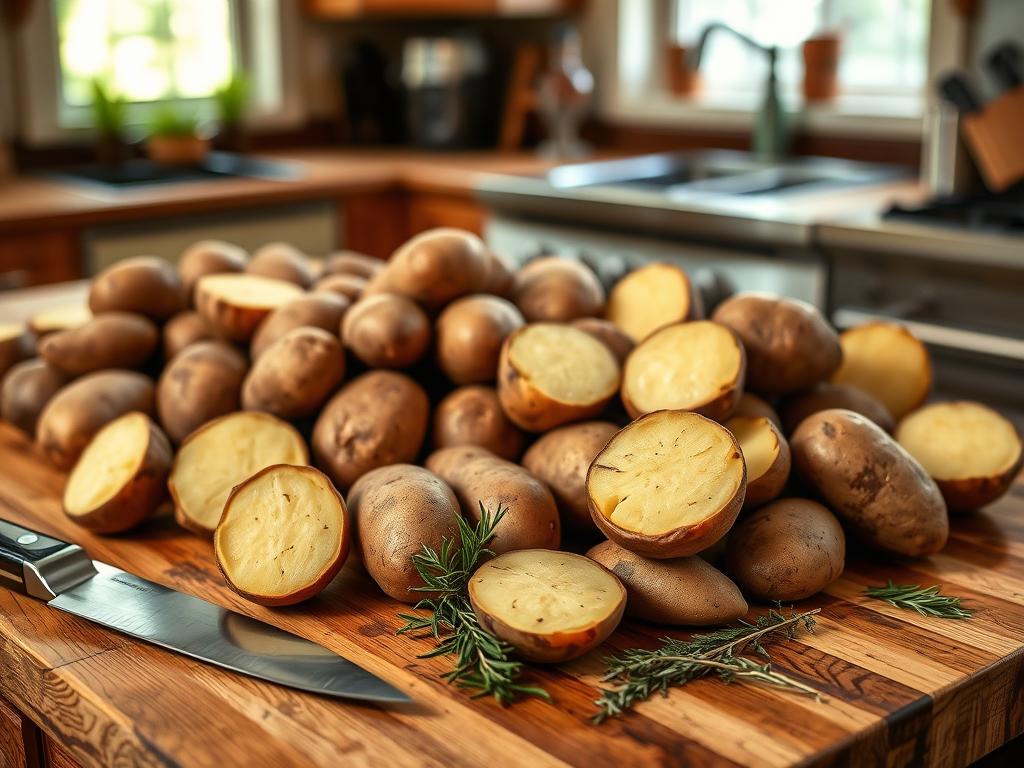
(174, 139)
(230, 100)
(108, 113)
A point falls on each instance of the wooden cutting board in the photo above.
(896, 687)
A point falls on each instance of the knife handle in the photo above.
(38, 565)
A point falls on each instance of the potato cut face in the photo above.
(10, 331)
(649, 298)
(225, 452)
(759, 443)
(564, 363)
(61, 318)
(960, 441)
(886, 361)
(683, 367)
(669, 470)
(282, 530)
(544, 592)
(107, 464)
(245, 290)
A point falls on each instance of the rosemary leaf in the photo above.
(924, 600)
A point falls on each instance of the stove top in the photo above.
(990, 212)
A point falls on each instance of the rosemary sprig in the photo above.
(642, 673)
(925, 600)
(483, 662)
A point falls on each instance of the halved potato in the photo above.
(283, 536)
(223, 453)
(971, 452)
(887, 361)
(551, 374)
(698, 366)
(120, 478)
(650, 298)
(59, 319)
(766, 454)
(234, 304)
(209, 257)
(669, 484)
(550, 606)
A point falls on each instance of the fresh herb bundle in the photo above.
(924, 600)
(483, 662)
(642, 673)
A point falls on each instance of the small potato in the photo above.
(281, 261)
(500, 276)
(201, 383)
(753, 406)
(790, 346)
(386, 330)
(651, 297)
(788, 550)
(17, 343)
(398, 510)
(184, 329)
(81, 409)
(606, 332)
(109, 340)
(687, 591)
(871, 482)
(481, 479)
(145, 285)
(472, 416)
(234, 305)
(825, 395)
(352, 263)
(376, 419)
(556, 290)
(767, 457)
(295, 374)
(349, 286)
(209, 257)
(470, 332)
(27, 388)
(318, 310)
(561, 459)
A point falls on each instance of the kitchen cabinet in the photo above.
(348, 9)
(19, 739)
(428, 210)
(57, 756)
(35, 258)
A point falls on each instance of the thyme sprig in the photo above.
(641, 673)
(482, 661)
(924, 600)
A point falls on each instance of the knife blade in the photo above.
(64, 576)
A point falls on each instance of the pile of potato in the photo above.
(295, 408)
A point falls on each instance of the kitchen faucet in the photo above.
(770, 134)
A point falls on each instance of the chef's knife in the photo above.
(956, 89)
(64, 576)
(1006, 64)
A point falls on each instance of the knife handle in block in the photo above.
(38, 565)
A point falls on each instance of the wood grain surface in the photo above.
(897, 688)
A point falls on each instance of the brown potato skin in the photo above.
(753, 406)
(825, 395)
(16, 349)
(209, 257)
(145, 285)
(110, 340)
(318, 310)
(769, 485)
(281, 261)
(870, 482)
(184, 329)
(27, 388)
(352, 263)
(398, 510)
(136, 501)
(557, 290)
(500, 276)
(201, 383)
(79, 410)
(376, 419)
(350, 287)
(562, 458)
(295, 374)
(479, 477)
(966, 495)
(790, 346)
(788, 550)
(472, 415)
(325, 578)
(687, 591)
(386, 330)
(608, 334)
(470, 332)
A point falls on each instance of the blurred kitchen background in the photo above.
(864, 155)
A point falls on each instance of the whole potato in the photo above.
(281, 261)
(17, 343)
(201, 383)
(398, 510)
(790, 346)
(870, 482)
(79, 410)
(499, 276)
(557, 290)
(27, 388)
(184, 329)
(349, 286)
(295, 374)
(470, 332)
(318, 310)
(561, 459)
(825, 395)
(376, 419)
(110, 340)
(146, 285)
(352, 263)
(209, 257)
(608, 333)
(472, 415)
(787, 550)
(386, 330)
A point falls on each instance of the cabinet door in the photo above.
(35, 258)
(18, 739)
(58, 757)
(432, 210)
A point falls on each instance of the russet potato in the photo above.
(472, 415)
(145, 285)
(201, 383)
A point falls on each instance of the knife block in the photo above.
(994, 137)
